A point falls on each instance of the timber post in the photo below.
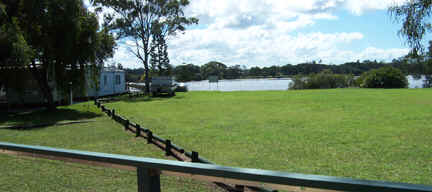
(148, 180)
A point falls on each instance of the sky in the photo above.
(278, 32)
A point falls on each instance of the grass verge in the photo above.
(359, 133)
(101, 134)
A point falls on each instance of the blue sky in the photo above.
(277, 32)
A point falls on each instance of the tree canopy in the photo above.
(54, 39)
(141, 19)
(415, 18)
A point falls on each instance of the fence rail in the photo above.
(149, 170)
(170, 148)
(180, 154)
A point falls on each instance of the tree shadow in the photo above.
(152, 99)
(43, 118)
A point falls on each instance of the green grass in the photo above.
(101, 134)
(358, 133)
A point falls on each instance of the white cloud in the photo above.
(254, 46)
(382, 54)
(359, 6)
(266, 32)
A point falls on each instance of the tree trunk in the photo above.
(146, 71)
(40, 76)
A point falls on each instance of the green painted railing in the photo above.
(148, 171)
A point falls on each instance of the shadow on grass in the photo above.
(43, 118)
(152, 99)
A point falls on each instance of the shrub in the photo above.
(323, 80)
(385, 77)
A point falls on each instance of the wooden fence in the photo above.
(167, 146)
(181, 154)
(149, 171)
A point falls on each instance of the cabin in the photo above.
(110, 81)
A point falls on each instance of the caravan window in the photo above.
(118, 81)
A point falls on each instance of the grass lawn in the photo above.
(101, 134)
(358, 133)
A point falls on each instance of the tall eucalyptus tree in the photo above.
(140, 19)
(415, 16)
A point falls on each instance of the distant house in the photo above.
(111, 81)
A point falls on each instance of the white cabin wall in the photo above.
(109, 87)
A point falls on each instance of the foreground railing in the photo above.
(149, 170)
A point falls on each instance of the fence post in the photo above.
(195, 157)
(240, 188)
(113, 113)
(148, 180)
(126, 126)
(167, 147)
(149, 137)
(138, 130)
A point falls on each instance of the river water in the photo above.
(260, 84)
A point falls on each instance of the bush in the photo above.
(385, 77)
(323, 80)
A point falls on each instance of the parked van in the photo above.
(163, 84)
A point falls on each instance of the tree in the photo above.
(159, 60)
(325, 79)
(187, 72)
(213, 68)
(139, 19)
(414, 15)
(385, 77)
(58, 40)
(13, 47)
(255, 71)
(233, 72)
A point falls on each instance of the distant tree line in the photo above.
(191, 72)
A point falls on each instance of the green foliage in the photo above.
(323, 80)
(143, 21)
(159, 60)
(13, 47)
(58, 39)
(233, 72)
(187, 72)
(213, 68)
(385, 77)
(15, 54)
(415, 18)
(133, 75)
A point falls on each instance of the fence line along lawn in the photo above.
(100, 134)
(359, 133)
